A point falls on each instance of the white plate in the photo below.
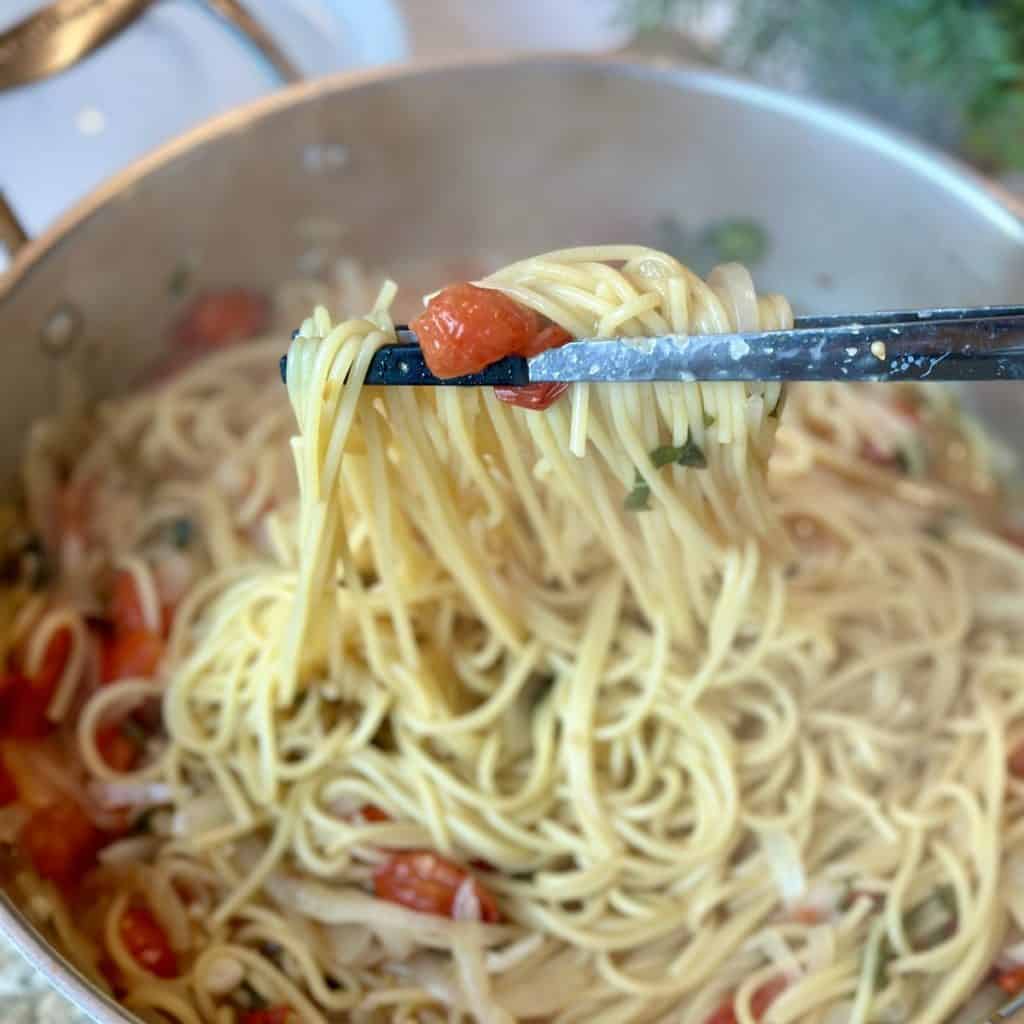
(176, 66)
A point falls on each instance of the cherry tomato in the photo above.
(1011, 981)
(61, 843)
(220, 318)
(372, 813)
(760, 1001)
(119, 750)
(126, 603)
(465, 328)
(271, 1015)
(532, 396)
(135, 653)
(147, 942)
(24, 699)
(426, 882)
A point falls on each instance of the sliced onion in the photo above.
(466, 905)
(787, 867)
(200, 815)
(1011, 957)
(128, 793)
(839, 1014)
(135, 850)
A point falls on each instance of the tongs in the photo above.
(983, 343)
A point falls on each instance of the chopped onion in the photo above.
(126, 793)
(201, 815)
(1011, 957)
(129, 851)
(466, 905)
(839, 1014)
(223, 975)
(783, 857)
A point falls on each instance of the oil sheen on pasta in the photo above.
(703, 737)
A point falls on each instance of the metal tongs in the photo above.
(984, 343)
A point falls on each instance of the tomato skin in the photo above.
(134, 653)
(126, 610)
(427, 882)
(24, 699)
(8, 787)
(533, 396)
(221, 318)
(117, 749)
(465, 328)
(1011, 981)
(271, 1015)
(373, 814)
(61, 843)
(763, 997)
(147, 942)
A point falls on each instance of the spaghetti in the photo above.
(583, 714)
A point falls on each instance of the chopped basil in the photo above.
(665, 455)
(691, 455)
(180, 532)
(737, 240)
(178, 282)
(709, 420)
(639, 499)
(687, 454)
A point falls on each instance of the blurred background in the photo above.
(949, 71)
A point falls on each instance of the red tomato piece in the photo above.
(372, 813)
(426, 882)
(763, 997)
(135, 653)
(1012, 980)
(271, 1015)
(220, 318)
(24, 699)
(147, 942)
(126, 603)
(61, 843)
(8, 788)
(465, 328)
(117, 748)
(533, 396)
(1015, 762)
(766, 994)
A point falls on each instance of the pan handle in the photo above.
(64, 32)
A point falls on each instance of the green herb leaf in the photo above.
(709, 420)
(143, 824)
(738, 240)
(180, 532)
(639, 499)
(665, 455)
(248, 998)
(178, 282)
(691, 455)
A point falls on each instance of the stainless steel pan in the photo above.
(496, 158)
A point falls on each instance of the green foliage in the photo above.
(951, 69)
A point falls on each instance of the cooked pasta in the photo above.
(601, 706)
